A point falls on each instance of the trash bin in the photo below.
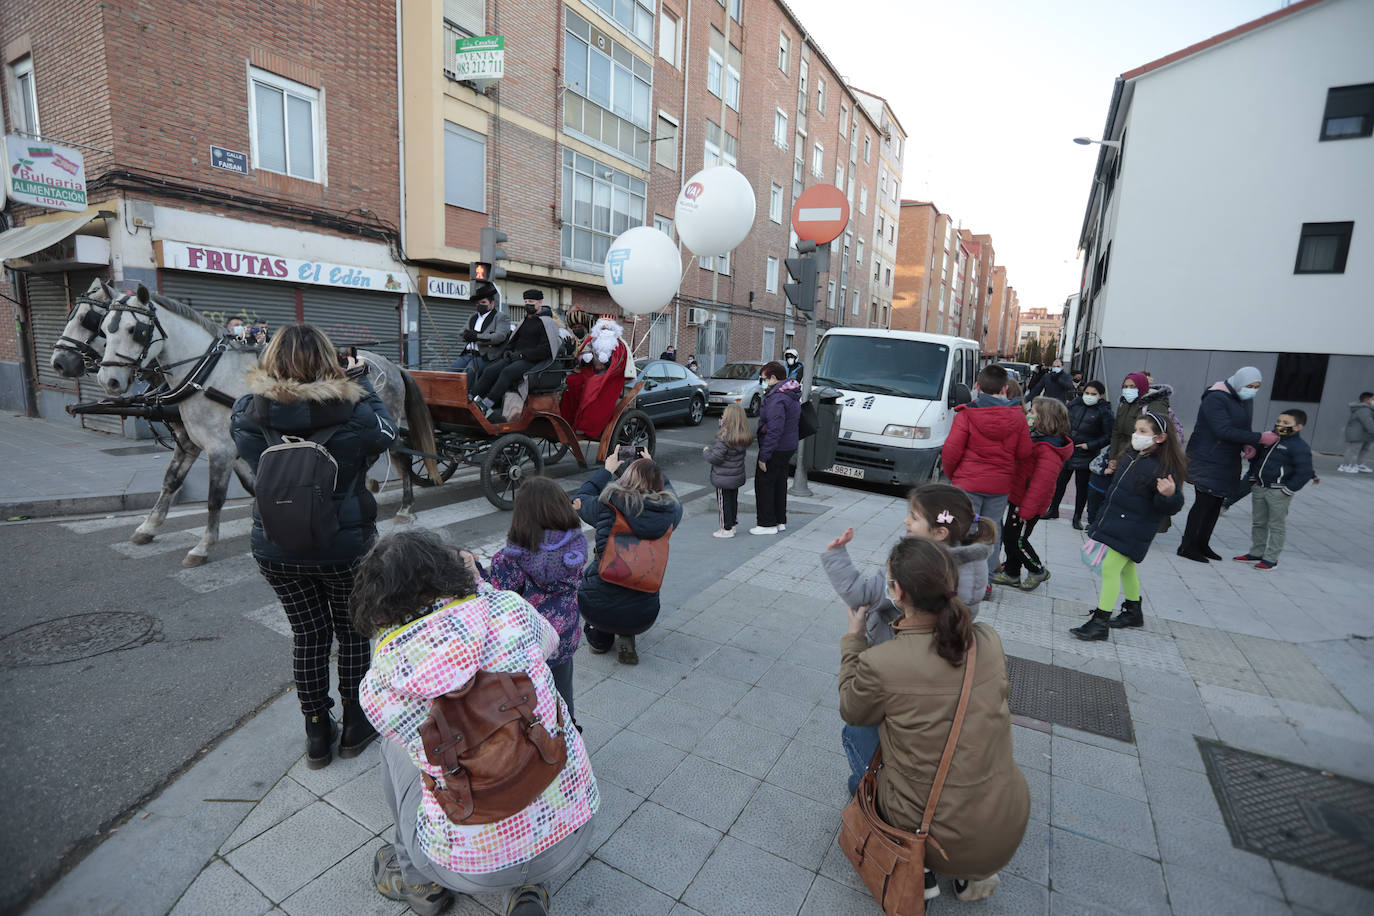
(820, 452)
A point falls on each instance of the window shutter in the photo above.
(469, 15)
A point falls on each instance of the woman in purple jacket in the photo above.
(779, 417)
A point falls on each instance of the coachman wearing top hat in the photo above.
(528, 347)
(487, 330)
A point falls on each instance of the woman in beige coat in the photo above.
(909, 687)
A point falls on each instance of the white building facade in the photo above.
(1238, 226)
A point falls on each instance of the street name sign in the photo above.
(481, 58)
(229, 160)
(45, 174)
(820, 214)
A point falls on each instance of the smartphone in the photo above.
(626, 453)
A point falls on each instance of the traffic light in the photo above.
(802, 292)
(487, 268)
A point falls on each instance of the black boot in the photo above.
(319, 736)
(1130, 616)
(358, 732)
(1095, 628)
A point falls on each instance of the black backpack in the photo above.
(295, 491)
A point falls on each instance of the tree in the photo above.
(1029, 352)
(1051, 351)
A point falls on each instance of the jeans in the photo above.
(562, 681)
(1269, 522)
(401, 787)
(860, 742)
(770, 490)
(469, 362)
(992, 507)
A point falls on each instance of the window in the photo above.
(1349, 112)
(715, 65)
(599, 203)
(636, 18)
(887, 278)
(667, 38)
(830, 296)
(775, 204)
(770, 277)
(877, 269)
(784, 52)
(1322, 248)
(469, 16)
(465, 168)
(610, 89)
(768, 352)
(820, 95)
(882, 180)
(868, 143)
(664, 224)
(855, 310)
(720, 265)
(844, 120)
(665, 142)
(285, 121)
(818, 160)
(1300, 377)
(732, 77)
(844, 294)
(859, 252)
(25, 102)
(717, 154)
(863, 200)
(780, 129)
(736, 6)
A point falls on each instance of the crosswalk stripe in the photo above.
(272, 617)
(217, 575)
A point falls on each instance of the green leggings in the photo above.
(1118, 574)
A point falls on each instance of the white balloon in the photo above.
(643, 270)
(715, 210)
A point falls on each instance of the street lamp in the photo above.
(1087, 141)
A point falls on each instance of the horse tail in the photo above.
(420, 424)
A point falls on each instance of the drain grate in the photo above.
(132, 450)
(1281, 810)
(68, 639)
(1071, 698)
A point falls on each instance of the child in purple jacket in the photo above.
(543, 559)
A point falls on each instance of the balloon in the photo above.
(643, 270)
(714, 211)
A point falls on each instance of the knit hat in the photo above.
(1245, 375)
(534, 294)
(1142, 383)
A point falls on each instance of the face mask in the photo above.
(1129, 394)
(1285, 430)
(1056, 368)
(791, 360)
(1090, 399)
(1141, 441)
(1247, 393)
(531, 310)
(241, 331)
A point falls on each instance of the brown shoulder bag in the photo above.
(633, 562)
(496, 754)
(891, 861)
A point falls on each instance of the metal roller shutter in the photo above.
(355, 317)
(48, 307)
(221, 298)
(441, 330)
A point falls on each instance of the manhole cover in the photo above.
(1067, 697)
(67, 639)
(1280, 810)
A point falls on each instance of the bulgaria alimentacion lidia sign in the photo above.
(45, 174)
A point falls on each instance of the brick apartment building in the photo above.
(887, 213)
(604, 111)
(1039, 324)
(305, 103)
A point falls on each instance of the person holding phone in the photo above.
(632, 486)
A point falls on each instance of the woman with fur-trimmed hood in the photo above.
(298, 389)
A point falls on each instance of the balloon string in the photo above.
(687, 271)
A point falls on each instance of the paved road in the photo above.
(89, 739)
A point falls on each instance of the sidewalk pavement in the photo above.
(719, 761)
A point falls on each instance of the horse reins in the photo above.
(91, 321)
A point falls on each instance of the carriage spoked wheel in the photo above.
(552, 450)
(419, 474)
(635, 428)
(511, 460)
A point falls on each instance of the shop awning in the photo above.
(25, 240)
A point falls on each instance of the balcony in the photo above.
(451, 35)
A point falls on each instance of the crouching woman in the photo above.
(909, 687)
(436, 630)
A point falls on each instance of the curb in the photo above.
(58, 506)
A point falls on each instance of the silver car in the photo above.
(736, 383)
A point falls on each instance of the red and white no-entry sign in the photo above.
(820, 214)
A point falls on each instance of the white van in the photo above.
(899, 390)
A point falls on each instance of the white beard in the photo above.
(604, 337)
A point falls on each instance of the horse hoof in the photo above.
(374, 484)
(192, 559)
(141, 537)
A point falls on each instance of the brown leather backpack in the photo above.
(496, 754)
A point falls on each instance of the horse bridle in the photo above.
(145, 334)
(96, 309)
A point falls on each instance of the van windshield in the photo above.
(883, 365)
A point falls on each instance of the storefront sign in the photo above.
(45, 174)
(444, 288)
(480, 58)
(215, 260)
(229, 160)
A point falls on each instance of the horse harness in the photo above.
(153, 371)
(96, 310)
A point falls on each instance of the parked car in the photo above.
(736, 383)
(671, 392)
(1022, 371)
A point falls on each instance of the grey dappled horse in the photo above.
(141, 329)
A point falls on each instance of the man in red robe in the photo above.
(595, 387)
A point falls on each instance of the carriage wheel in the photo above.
(511, 460)
(552, 450)
(635, 428)
(419, 474)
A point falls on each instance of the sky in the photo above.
(991, 94)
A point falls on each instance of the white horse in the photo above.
(155, 336)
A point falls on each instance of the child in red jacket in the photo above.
(989, 437)
(1031, 491)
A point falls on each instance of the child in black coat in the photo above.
(1276, 473)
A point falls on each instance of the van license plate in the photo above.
(846, 471)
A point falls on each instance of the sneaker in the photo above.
(723, 533)
(424, 899)
(1001, 578)
(1265, 564)
(932, 885)
(1364, 469)
(976, 890)
(528, 900)
(782, 526)
(1033, 580)
(764, 529)
(1247, 558)
(1349, 469)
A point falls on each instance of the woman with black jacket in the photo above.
(297, 390)
(1090, 428)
